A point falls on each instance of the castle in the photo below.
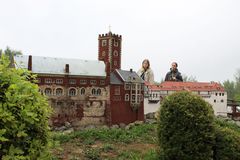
(89, 92)
(99, 92)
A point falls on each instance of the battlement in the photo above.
(109, 34)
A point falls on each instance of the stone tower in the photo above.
(109, 51)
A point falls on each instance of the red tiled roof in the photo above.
(191, 86)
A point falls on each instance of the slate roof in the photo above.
(125, 76)
(49, 65)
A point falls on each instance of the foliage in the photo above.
(233, 87)
(24, 114)
(185, 127)
(113, 135)
(189, 78)
(227, 145)
(229, 88)
(92, 153)
(10, 52)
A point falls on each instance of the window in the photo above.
(98, 91)
(72, 92)
(222, 100)
(126, 97)
(102, 82)
(133, 86)
(103, 53)
(72, 103)
(115, 53)
(82, 91)
(127, 86)
(117, 90)
(93, 91)
(222, 94)
(59, 81)
(48, 80)
(72, 81)
(133, 98)
(214, 101)
(115, 43)
(83, 81)
(93, 82)
(104, 42)
(115, 63)
(138, 98)
(216, 94)
(59, 91)
(48, 91)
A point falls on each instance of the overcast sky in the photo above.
(203, 36)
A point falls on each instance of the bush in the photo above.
(227, 141)
(24, 114)
(185, 128)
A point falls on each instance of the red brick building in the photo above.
(85, 92)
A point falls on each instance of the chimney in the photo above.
(67, 68)
(30, 62)
(131, 70)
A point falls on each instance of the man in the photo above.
(174, 74)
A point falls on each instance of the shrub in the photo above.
(227, 141)
(24, 114)
(185, 128)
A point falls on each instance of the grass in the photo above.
(139, 142)
(145, 132)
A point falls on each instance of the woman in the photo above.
(145, 72)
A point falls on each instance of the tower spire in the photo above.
(109, 27)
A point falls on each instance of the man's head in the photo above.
(174, 66)
(145, 64)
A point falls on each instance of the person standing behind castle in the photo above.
(174, 74)
(146, 72)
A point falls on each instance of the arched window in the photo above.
(93, 91)
(98, 91)
(82, 91)
(48, 91)
(59, 91)
(72, 92)
(115, 53)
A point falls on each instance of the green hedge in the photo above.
(227, 145)
(185, 128)
(24, 114)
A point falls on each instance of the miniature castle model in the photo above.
(88, 92)
(211, 92)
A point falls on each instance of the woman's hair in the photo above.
(146, 60)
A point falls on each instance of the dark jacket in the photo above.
(173, 76)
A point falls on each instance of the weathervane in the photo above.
(109, 28)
